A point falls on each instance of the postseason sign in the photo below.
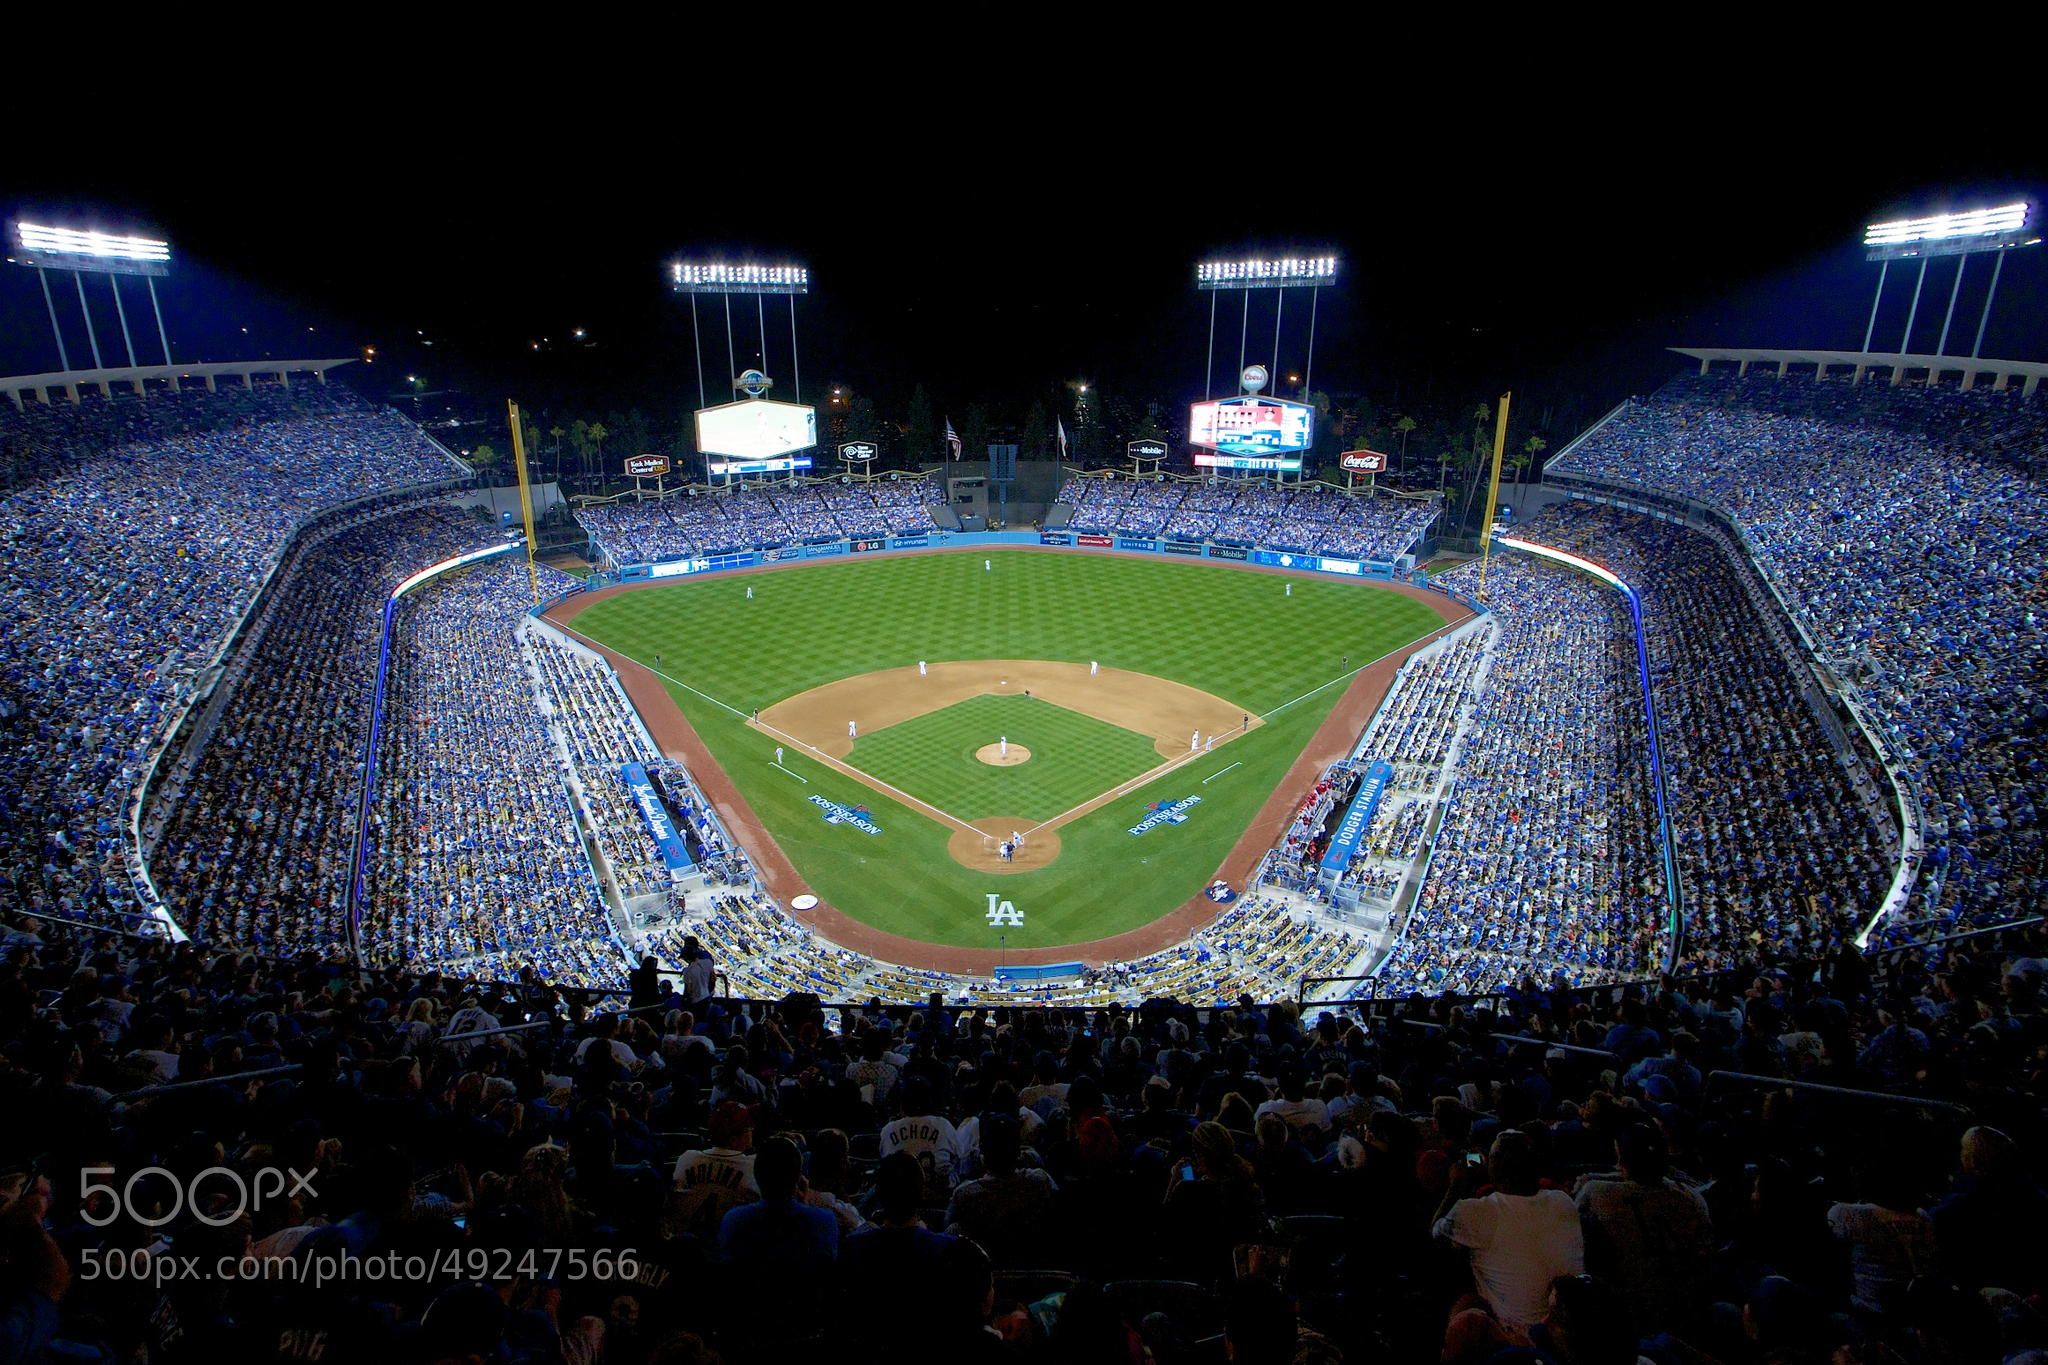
(1268, 427)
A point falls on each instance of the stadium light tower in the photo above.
(84, 251)
(1281, 273)
(1997, 230)
(735, 277)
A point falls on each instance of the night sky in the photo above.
(1559, 255)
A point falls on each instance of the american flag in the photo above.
(1062, 426)
(952, 439)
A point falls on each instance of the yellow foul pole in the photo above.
(1500, 444)
(526, 491)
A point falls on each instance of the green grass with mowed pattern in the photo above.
(1235, 634)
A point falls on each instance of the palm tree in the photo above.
(1404, 425)
(1531, 448)
(597, 435)
(483, 456)
(557, 432)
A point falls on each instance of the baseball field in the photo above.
(892, 723)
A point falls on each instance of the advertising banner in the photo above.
(867, 543)
(1130, 543)
(1054, 538)
(1351, 829)
(908, 542)
(673, 851)
(1181, 547)
(1099, 541)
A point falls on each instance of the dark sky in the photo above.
(1540, 242)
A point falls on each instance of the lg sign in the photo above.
(646, 466)
(1362, 462)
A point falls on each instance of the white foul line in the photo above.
(868, 778)
(1220, 771)
(798, 776)
(1346, 677)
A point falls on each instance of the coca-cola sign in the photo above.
(1362, 462)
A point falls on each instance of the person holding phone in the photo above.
(1519, 1236)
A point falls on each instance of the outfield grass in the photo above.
(1073, 757)
(1231, 633)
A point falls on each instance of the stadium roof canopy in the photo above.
(48, 388)
(1898, 365)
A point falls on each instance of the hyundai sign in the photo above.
(756, 429)
(1146, 450)
(1362, 462)
(1252, 426)
(781, 466)
(1261, 463)
(858, 452)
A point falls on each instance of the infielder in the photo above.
(921, 669)
(1194, 741)
(1093, 668)
(853, 729)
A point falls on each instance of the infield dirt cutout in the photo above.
(1170, 713)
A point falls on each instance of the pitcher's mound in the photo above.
(982, 850)
(993, 755)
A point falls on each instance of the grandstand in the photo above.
(1312, 518)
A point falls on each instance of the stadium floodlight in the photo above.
(62, 248)
(740, 277)
(1950, 234)
(1285, 272)
(728, 277)
(1964, 234)
(84, 251)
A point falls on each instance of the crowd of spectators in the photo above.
(1904, 526)
(1773, 840)
(1314, 518)
(1548, 858)
(255, 845)
(758, 516)
(1415, 732)
(473, 850)
(599, 735)
(134, 534)
(1166, 1184)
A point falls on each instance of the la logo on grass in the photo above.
(1002, 914)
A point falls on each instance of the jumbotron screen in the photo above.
(1252, 426)
(756, 429)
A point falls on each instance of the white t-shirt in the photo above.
(1305, 1113)
(621, 1052)
(1519, 1244)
